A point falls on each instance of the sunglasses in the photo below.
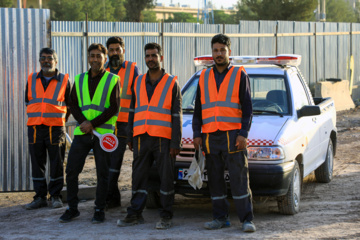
(46, 58)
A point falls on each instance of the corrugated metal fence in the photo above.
(23, 33)
(326, 49)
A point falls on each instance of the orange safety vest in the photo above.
(221, 110)
(153, 118)
(46, 107)
(128, 74)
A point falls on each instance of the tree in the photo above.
(340, 11)
(6, 3)
(135, 7)
(149, 16)
(182, 17)
(99, 10)
(291, 10)
(119, 10)
(67, 10)
(221, 17)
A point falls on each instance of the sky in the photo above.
(194, 3)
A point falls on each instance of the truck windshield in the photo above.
(269, 94)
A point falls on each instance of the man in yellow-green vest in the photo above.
(95, 101)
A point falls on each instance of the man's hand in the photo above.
(197, 143)
(86, 127)
(130, 144)
(240, 142)
(174, 152)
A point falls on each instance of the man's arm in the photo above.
(246, 104)
(197, 120)
(67, 99)
(130, 126)
(176, 117)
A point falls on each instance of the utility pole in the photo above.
(323, 11)
(19, 3)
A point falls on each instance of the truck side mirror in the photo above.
(308, 111)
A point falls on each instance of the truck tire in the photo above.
(289, 204)
(324, 172)
(153, 200)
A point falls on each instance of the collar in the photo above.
(148, 76)
(226, 69)
(56, 76)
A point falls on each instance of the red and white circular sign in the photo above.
(109, 142)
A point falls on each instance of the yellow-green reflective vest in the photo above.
(101, 100)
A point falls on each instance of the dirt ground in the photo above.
(330, 211)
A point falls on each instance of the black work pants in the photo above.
(43, 141)
(80, 147)
(146, 150)
(116, 160)
(220, 152)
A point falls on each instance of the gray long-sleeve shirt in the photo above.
(176, 110)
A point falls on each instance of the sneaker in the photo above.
(99, 216)
(248, 226)
(56, 202)
(130, 220)
(217, 224)
(38, 202)
(69, 214)
(164, 223)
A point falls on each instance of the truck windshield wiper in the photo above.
(266, 111)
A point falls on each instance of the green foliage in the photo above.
(67, 10)
(221, 17)
(135, 7)
(340, 11)
(182, 17)
(290, 10)
(99, 10)
(119, 10)
(6, 3)
(149, 16)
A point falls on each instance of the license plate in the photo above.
(183, 174)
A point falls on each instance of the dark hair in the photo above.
(49, 51)
(153, 45)
(97, 46)
(115, 40)
(221, 38)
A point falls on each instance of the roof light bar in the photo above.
(281, 59)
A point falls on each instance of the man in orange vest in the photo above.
(47, 96)
(127, 71)
(221, 122)
(154, 135)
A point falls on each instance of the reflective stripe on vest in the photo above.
(153, 118)
(126, 77)
(221, 109)
(46, 107)
(91, 108)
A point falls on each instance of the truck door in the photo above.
(309, 125)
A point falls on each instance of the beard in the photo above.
(153, 65)
(116, 60)
(47, 68)
(224, 63)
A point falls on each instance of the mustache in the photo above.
(115, 57)
(46, 65)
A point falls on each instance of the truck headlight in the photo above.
(265, 153)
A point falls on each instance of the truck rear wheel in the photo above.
(153, 200)
(289, 204)
(324, 172)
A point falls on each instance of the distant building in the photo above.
(167, 12)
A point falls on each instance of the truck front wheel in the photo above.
(289, 204)
(324, 172)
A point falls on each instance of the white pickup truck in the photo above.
(292, 134)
